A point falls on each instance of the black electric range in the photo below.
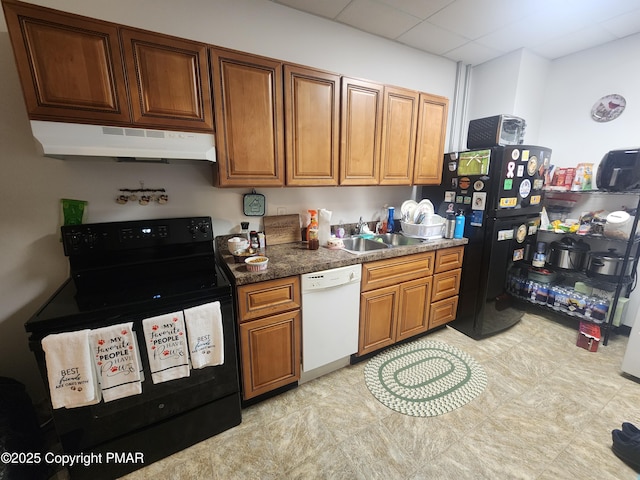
(126, 272)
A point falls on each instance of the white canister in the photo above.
(618, 225)
(237, 243)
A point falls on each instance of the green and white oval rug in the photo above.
(424, 378)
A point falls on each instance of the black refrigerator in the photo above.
(500, 190)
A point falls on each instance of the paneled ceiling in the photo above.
(475, 31)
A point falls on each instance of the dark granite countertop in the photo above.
(295, 258)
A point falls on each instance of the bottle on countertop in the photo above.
(459, 230)
(390, 223)
(449, 223)
(312, 231)
(245, 231)
(254, 242)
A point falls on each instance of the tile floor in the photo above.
(547, 413)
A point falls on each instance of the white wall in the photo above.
(32, 264)
(574, 85)
(512, 84)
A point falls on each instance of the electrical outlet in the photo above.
(282, 211)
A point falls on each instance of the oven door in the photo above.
(82, 428)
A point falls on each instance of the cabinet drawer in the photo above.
(448, 259)
(393, 271)
(446, 284)
(268, 298)
(443, 311)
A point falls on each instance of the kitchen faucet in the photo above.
(360, 226)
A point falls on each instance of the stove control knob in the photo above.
(192, 229)
(204, 228)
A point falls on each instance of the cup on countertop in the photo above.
(335, 243)
(237, 243)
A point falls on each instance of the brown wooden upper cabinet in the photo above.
(361, 125)
(69, 66)
(248, 119)
(168, 79)
(312, 120)
(432, 123)
(399, 126)
(75, 69)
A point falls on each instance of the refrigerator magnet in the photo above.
(505, 235)
(518, 254)
(467, 200)
(520, 172)
(525, 188)
(508, 184)
(459, 199)
(478, 185)
(537, 184)
(511, 166)
(515, 154)
(535, 199)
(532, 165)
(508, 202)
(449, 197)
(476, 218)
(525, 155)
(479, 201)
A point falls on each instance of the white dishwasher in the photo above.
(330, 319)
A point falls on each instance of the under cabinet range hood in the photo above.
(63, 140)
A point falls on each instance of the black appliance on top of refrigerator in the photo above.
(500, 190)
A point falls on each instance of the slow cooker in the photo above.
(568, 254)
(609, 264)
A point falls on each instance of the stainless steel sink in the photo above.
(396, 239)
(362, 245)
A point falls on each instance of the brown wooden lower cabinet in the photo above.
(405, 296)
(270, 353)
(270, 335)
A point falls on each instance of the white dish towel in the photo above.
(204, 331)
(116, 356)
(72, 379)
(166, 346)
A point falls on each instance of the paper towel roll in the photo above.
(324, 226)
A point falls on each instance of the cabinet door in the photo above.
(312, 118)
(432, 124)
(270, 353)
(69, 66)
(378, 317)
(399, 124)
(247, 92)
(168, 81)
(413, 311)
(360, 132)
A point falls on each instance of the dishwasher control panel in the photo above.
(331, 278)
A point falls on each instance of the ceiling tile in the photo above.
(574, 42)
(470, 18)
(418, 8)
(472, 54)
(623, 25)
(377, 18)
(431, 38)
(325, 8)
